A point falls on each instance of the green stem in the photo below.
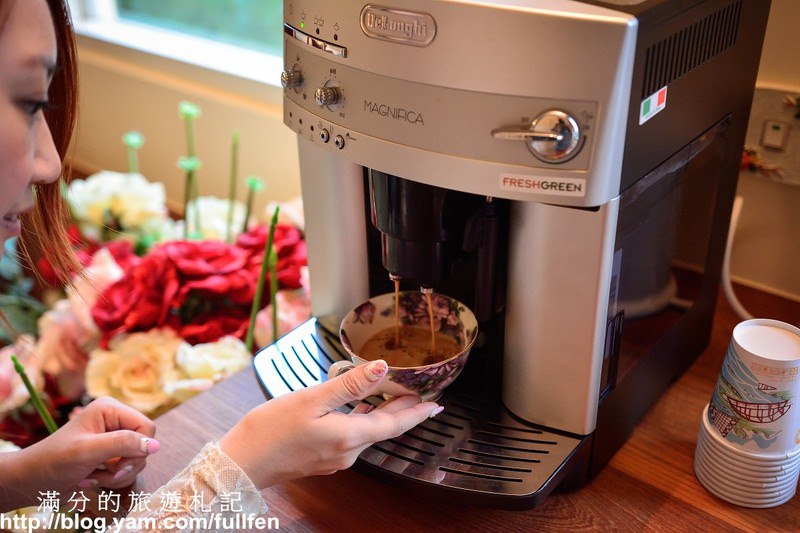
(49, 423)
(133, 160)
(251, 193)
(190, 136)
(187, 194)
(260, 285)
(195, 194)
(232, 192)
(273, 287)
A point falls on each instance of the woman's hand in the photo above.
(106, 445)
(301, 434)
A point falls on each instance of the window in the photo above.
(254, 24)
(240, 37)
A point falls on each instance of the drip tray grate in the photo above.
(474, 447)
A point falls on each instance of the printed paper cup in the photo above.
(753, 403)
(742, 494)
(744, 479)
(761, 462)
(754, 503)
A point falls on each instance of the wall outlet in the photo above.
(770, 132)
(775, 135)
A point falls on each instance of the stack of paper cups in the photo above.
(748, 449)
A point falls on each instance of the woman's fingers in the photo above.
(392, 421)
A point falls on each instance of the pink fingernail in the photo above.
(124, 472)
(376, 370)
(88, 482)
(436, 411)
(148, 446)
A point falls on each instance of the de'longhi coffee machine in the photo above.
(565, 168)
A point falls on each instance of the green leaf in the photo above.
(23, 313)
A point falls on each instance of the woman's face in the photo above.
(27, 153)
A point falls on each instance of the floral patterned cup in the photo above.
(450, 317)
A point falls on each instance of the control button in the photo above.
(335, 49)
(325, 96)
(291, 79)
(296, 34)
(314, 42)
(564, 126)
(324, 135)
(339, 142)
(553, 137)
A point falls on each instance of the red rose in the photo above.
(239, 287)
(288, 244)
(140, 300)
(122, 252)
(256, 237)
(204, 258)
(212, 326)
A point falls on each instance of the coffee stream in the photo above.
(397, 311)
(406, 346)
(430, 317)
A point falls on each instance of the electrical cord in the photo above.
(727, 286)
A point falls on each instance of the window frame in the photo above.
(99, 20)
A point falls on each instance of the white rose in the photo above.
(290, 214)
(214, 360)
(184, 389)
(138, 205)
(214, 216)
(137, 370)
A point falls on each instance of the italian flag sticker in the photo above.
(652, 105)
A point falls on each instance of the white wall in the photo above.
(766, 249)
(123, 90)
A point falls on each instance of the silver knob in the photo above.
(553, 137)
(327, 96)
(562, 125)
(291, 79)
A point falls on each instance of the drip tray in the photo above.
(474, 450)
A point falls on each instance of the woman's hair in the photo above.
(46, 225)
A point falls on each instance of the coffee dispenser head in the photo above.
(411, 218)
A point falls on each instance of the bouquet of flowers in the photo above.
(163, 307)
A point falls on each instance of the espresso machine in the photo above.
(564, 168)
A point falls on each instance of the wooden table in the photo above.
(648, 485)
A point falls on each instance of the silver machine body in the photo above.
(536, 105)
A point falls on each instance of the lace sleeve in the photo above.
(210, 490)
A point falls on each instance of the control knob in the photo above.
(325, 96)
(291, 79)
(553, 137)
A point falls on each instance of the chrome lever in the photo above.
(526, 135)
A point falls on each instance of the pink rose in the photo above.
(294, 308)
(64, 344)
(102, 272)
(13, 393)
